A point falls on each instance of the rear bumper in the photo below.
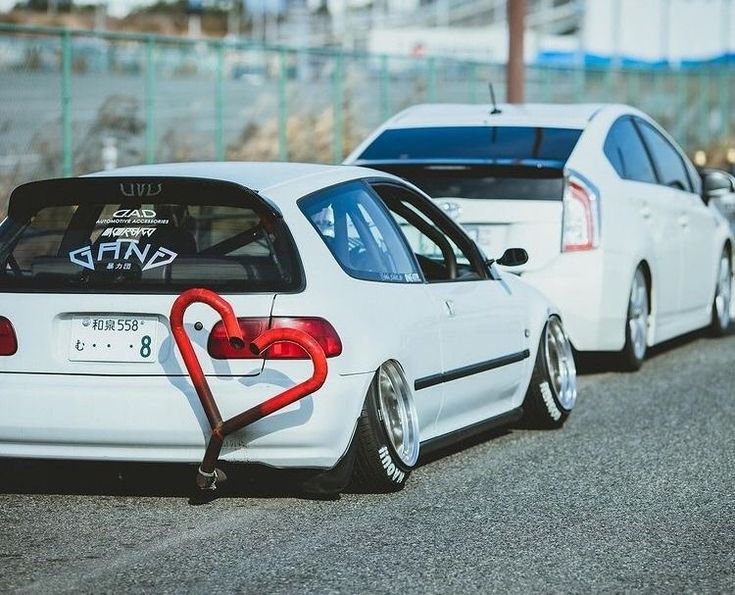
(591, 291)
(159, 419)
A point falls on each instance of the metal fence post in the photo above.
(705, 103)
(282, 106)
(682, 99)
(546, 84)
(66, 129)
(337, 140)
(384, 88)
(580, 81)
(431, 79)
(150, 81)
(726, 80)
(219, 105)
(472, 83)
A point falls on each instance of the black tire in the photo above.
(378, 468)
(631, 358)
(543, 408)
(720, 326)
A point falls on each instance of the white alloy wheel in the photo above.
(638, 310)
(723, 293)
(398, 413)
(560, 364)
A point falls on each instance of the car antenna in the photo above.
(495, 109)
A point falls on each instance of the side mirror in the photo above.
(716, 183)
(513, 257)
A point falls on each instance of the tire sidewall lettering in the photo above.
(391, 469)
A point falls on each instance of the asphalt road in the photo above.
(635, 494)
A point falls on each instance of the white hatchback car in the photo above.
(612, 213)
(420, 348)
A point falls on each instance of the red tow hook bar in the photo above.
(207, 476)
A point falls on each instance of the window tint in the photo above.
(669, 164)
(498, 182)
(439, 252)
(625, 150)
(76, 241)
(500, 144)
(360, 234)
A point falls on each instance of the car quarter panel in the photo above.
(376, 321)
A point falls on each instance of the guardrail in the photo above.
(74, 101)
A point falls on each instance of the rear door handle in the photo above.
(646, 211)
(683, 220)
(450, 308)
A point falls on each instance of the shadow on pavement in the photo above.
(146, 479)
(599, 362)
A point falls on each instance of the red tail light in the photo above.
(219, 347)
(8, 341)
(581, 225)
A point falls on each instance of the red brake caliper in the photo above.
(206, 479)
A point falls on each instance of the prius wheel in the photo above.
(636, 325)
(723, 297)
(552, 392)
(387, 433)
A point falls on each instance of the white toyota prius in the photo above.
(128, 300)
(620, 232)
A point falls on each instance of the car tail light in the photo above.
(8, 341)
(581, 218)
(219, 347)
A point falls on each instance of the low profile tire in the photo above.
(552, 392)
(387, 433)
(721, 322)
(631, 357)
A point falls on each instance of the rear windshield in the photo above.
(97, 235)
(483, 181)
(499, 144)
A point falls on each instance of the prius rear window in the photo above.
(104, 237)
(549, 147)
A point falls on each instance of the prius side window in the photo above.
(627, 154)
(360, 234)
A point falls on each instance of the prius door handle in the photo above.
(450, 308)
(683, 220)
(646, 211)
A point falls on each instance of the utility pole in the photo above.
(515, 68)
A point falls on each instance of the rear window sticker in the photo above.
(117, 251)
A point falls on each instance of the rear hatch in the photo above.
(498, 206)
(90, 267)
(504, 184)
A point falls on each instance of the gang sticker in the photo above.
(127, 251)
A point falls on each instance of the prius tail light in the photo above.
(581, 217)
(8, 340)
(219, 346)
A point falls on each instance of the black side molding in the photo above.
(458, 373)
(440, 442)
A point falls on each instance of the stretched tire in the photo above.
(636, 325)
(552, 392)
(720, 322)
(387, 433)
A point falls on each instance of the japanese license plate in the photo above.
(124, 338)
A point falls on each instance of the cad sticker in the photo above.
(122, 250)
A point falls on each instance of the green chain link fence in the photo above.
(77, 101)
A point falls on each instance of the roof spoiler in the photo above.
(132, 191)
